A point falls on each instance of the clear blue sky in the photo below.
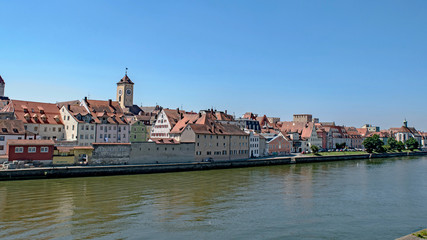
(352, 62)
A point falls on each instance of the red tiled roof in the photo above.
(176, 115)
(164, 141)
(15, 142)
(111, 110)
(34, 112)
(12, 127)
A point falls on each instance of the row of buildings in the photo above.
(212, 135)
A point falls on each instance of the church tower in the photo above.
(2, 85)
(125, 92)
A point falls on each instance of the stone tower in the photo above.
(125, 92)
(2, 84)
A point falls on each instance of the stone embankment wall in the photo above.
(150, 152)
(77, 171)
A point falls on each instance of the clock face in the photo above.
(128, 91)
(120, 92)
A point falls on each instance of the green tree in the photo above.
(373, 143)
(411, 144)
(400, 146)
(314, 149)
(392, 143)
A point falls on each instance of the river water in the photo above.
(367, 199)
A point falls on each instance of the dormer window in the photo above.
(15, 130)
(27, 116)
(43, 117)
(4, 130)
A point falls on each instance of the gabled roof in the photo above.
(174, 116)
(110, 110)
(72, 102)
(164, 141)
(250, 115)
(15, 142)
(34, 112)
(12, 127)
(125, 79)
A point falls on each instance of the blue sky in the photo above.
(352, 62)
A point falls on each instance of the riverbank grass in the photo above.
(421, 234)
(335, 153)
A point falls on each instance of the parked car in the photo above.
(208, 160)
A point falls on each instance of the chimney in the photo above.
(177, 109)
(110, 102)
(226, 111)
(69, 107)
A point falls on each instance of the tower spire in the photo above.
(126, 73)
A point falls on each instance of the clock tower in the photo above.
(125, 92)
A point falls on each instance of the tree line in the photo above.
(375, 144)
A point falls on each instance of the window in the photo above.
(72, 128)
(101, 128)
(68, 118)
(208, 153)
(1, 147)
(32, 149)
(100, 135)
(83, 127)
(53, 129)
(87, 127)
(19, 149)
(44, 149)
(1, 138)
(91, 128)
(81, 136)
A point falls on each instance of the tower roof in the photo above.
(125, 79)
(1, 80)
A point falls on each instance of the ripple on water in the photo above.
(332, 200)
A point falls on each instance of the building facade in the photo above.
(42, 119)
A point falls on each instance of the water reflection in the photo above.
(209, 204)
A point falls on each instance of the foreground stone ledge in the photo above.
(88, 171)
(415, 236)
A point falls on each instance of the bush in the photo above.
(412, 144)
(373, 143)
(314, 149)
(400, 146)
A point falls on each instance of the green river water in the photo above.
(366, 199)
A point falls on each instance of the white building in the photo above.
(111, 123)
(254, 144)
(10, 129)
(79, 125)
(42, 119)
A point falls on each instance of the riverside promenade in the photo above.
(89, 171)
